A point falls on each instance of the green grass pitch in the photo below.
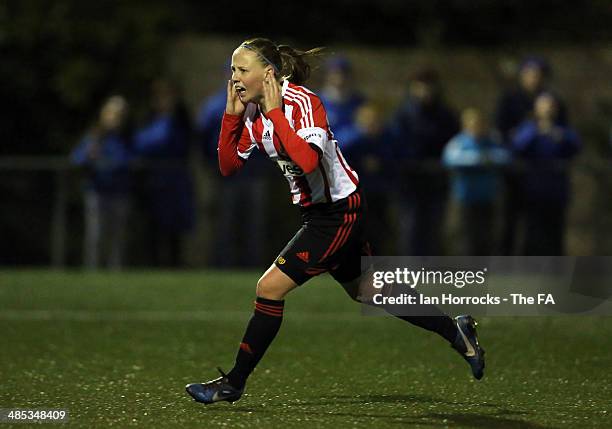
(116, 350)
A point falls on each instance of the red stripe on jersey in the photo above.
(348, 172)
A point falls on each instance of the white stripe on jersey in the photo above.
(309, 122)
(309, 101)
(300, 102)
(303, 103)
(289, 115)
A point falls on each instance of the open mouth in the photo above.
(240, 91)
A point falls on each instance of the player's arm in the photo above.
(234, 144)
(234, 136)
(300, 149)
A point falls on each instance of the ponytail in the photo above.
(289, 63)
(295, 66)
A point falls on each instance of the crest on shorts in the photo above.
(280, 260)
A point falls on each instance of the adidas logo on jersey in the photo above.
(304, 256)
(266, 135)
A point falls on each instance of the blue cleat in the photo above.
(215, 390)
(467, 345)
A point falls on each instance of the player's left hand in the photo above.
(272, 98)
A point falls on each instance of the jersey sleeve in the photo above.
(304, 142)
(310, 121)
(235, 145)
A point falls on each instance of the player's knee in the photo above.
(266, 288)
(262, 288)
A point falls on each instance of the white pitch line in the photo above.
(159, 316)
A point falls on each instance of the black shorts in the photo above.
(332, 239)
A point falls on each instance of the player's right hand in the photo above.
(234, 105)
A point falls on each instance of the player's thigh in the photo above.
(361, 289)
(353, 273)
(274, 284)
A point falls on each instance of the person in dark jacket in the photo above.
(164, 142)
(513, 108)
(546, 149)
(106, 154)
(239, 228)
(371, 154)
(421, 128)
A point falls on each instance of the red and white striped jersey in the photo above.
(331, 180)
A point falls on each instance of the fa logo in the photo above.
(545, 299)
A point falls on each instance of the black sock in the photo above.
(429, 317)
(440, 324)
(260, 332)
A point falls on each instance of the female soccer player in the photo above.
(268, 109)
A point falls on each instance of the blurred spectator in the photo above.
(208, 123)
(341, 99)
(515, 106)
(475, 158)
(371, 155)
(164, 141)
(546, 147)
(419, 131)
(239, 229)
(105, 153)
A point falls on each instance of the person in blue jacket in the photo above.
(105, 154)
(341, 99)
(475, 158)
(164, 144)
(207, 125)
(546, 148)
